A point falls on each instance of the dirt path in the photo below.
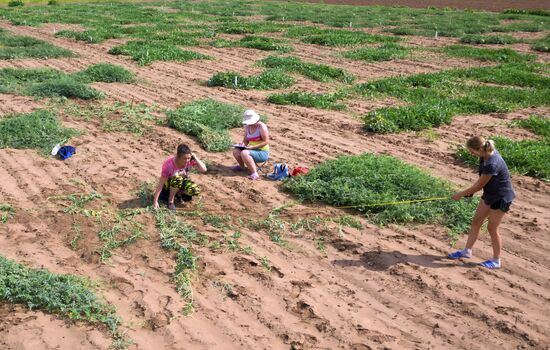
(372, 288)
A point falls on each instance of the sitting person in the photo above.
(256, 142)
(174, 178)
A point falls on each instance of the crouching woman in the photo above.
(174, 182)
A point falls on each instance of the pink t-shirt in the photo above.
(169, 168)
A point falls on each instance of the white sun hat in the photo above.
(250, 117)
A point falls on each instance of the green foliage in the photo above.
(370, 179)
(542, 45)
(488, 39)
(90, 36)
(65, 295)
(6, 212)
(386, 52)
(107, 73)
(15, 3)
(435, 98)
(307, 99)
(319, 72)
(39, 130)
(146, 52)
(526, 157)
(334, 37)
(484, 54)
(250, 27)
(174, 233)
(269, 79)
(254, 42)
(537, 124)
(66, 87)
(15, 46)
(120, 230)
(208, 120)
(113, 117)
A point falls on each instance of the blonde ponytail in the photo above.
(479, 143)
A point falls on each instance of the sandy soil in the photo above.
(374, 288)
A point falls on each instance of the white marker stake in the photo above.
(236, 81)
(436, 34)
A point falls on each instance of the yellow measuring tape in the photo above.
(393, 203)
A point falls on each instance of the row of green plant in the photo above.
(69, 296)
(16, 46)
(401, 20)
(329, 101)
(385, 52)
(39, 130)
(318, 72)
(336, 37)
(269, 79)
(45, 82)
(527, 157)
(208, 120)
(435, 98)
(135, 118)
(484, 54)
(178, 236)
(255, 42)
(146, 52)
(367, 180)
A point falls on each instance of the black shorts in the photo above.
(500, 204)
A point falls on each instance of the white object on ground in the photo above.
(56, 149)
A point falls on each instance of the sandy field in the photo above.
(372, 288)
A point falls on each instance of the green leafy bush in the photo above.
(65, 86)
(306, 99)
(386, 52)
(15, 46)
(269, 79)
(319, 72)
(334, 37)
(65, 295)
(488, 39)
(483, 54)
(435, 98)
(208, 120)
(107, 73)
(370, 179)
(90, 36)
(39, 130)
(145, 53)
(15, 3)
(542, 45)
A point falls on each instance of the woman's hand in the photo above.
(457, 196)
(156, 205)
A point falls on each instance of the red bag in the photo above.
(300, 170)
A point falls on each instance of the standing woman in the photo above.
(497, 197)
(256, 140)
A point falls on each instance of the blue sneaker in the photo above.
(490, 264)
(459, 254)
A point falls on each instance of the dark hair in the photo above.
(183, 149)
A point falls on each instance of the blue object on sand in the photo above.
(66, 152)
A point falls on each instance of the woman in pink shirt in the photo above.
(174, 177)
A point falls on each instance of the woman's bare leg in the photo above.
(249, 161)
(481, 214)
(495, 218)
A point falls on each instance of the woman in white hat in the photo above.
(255, 145)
